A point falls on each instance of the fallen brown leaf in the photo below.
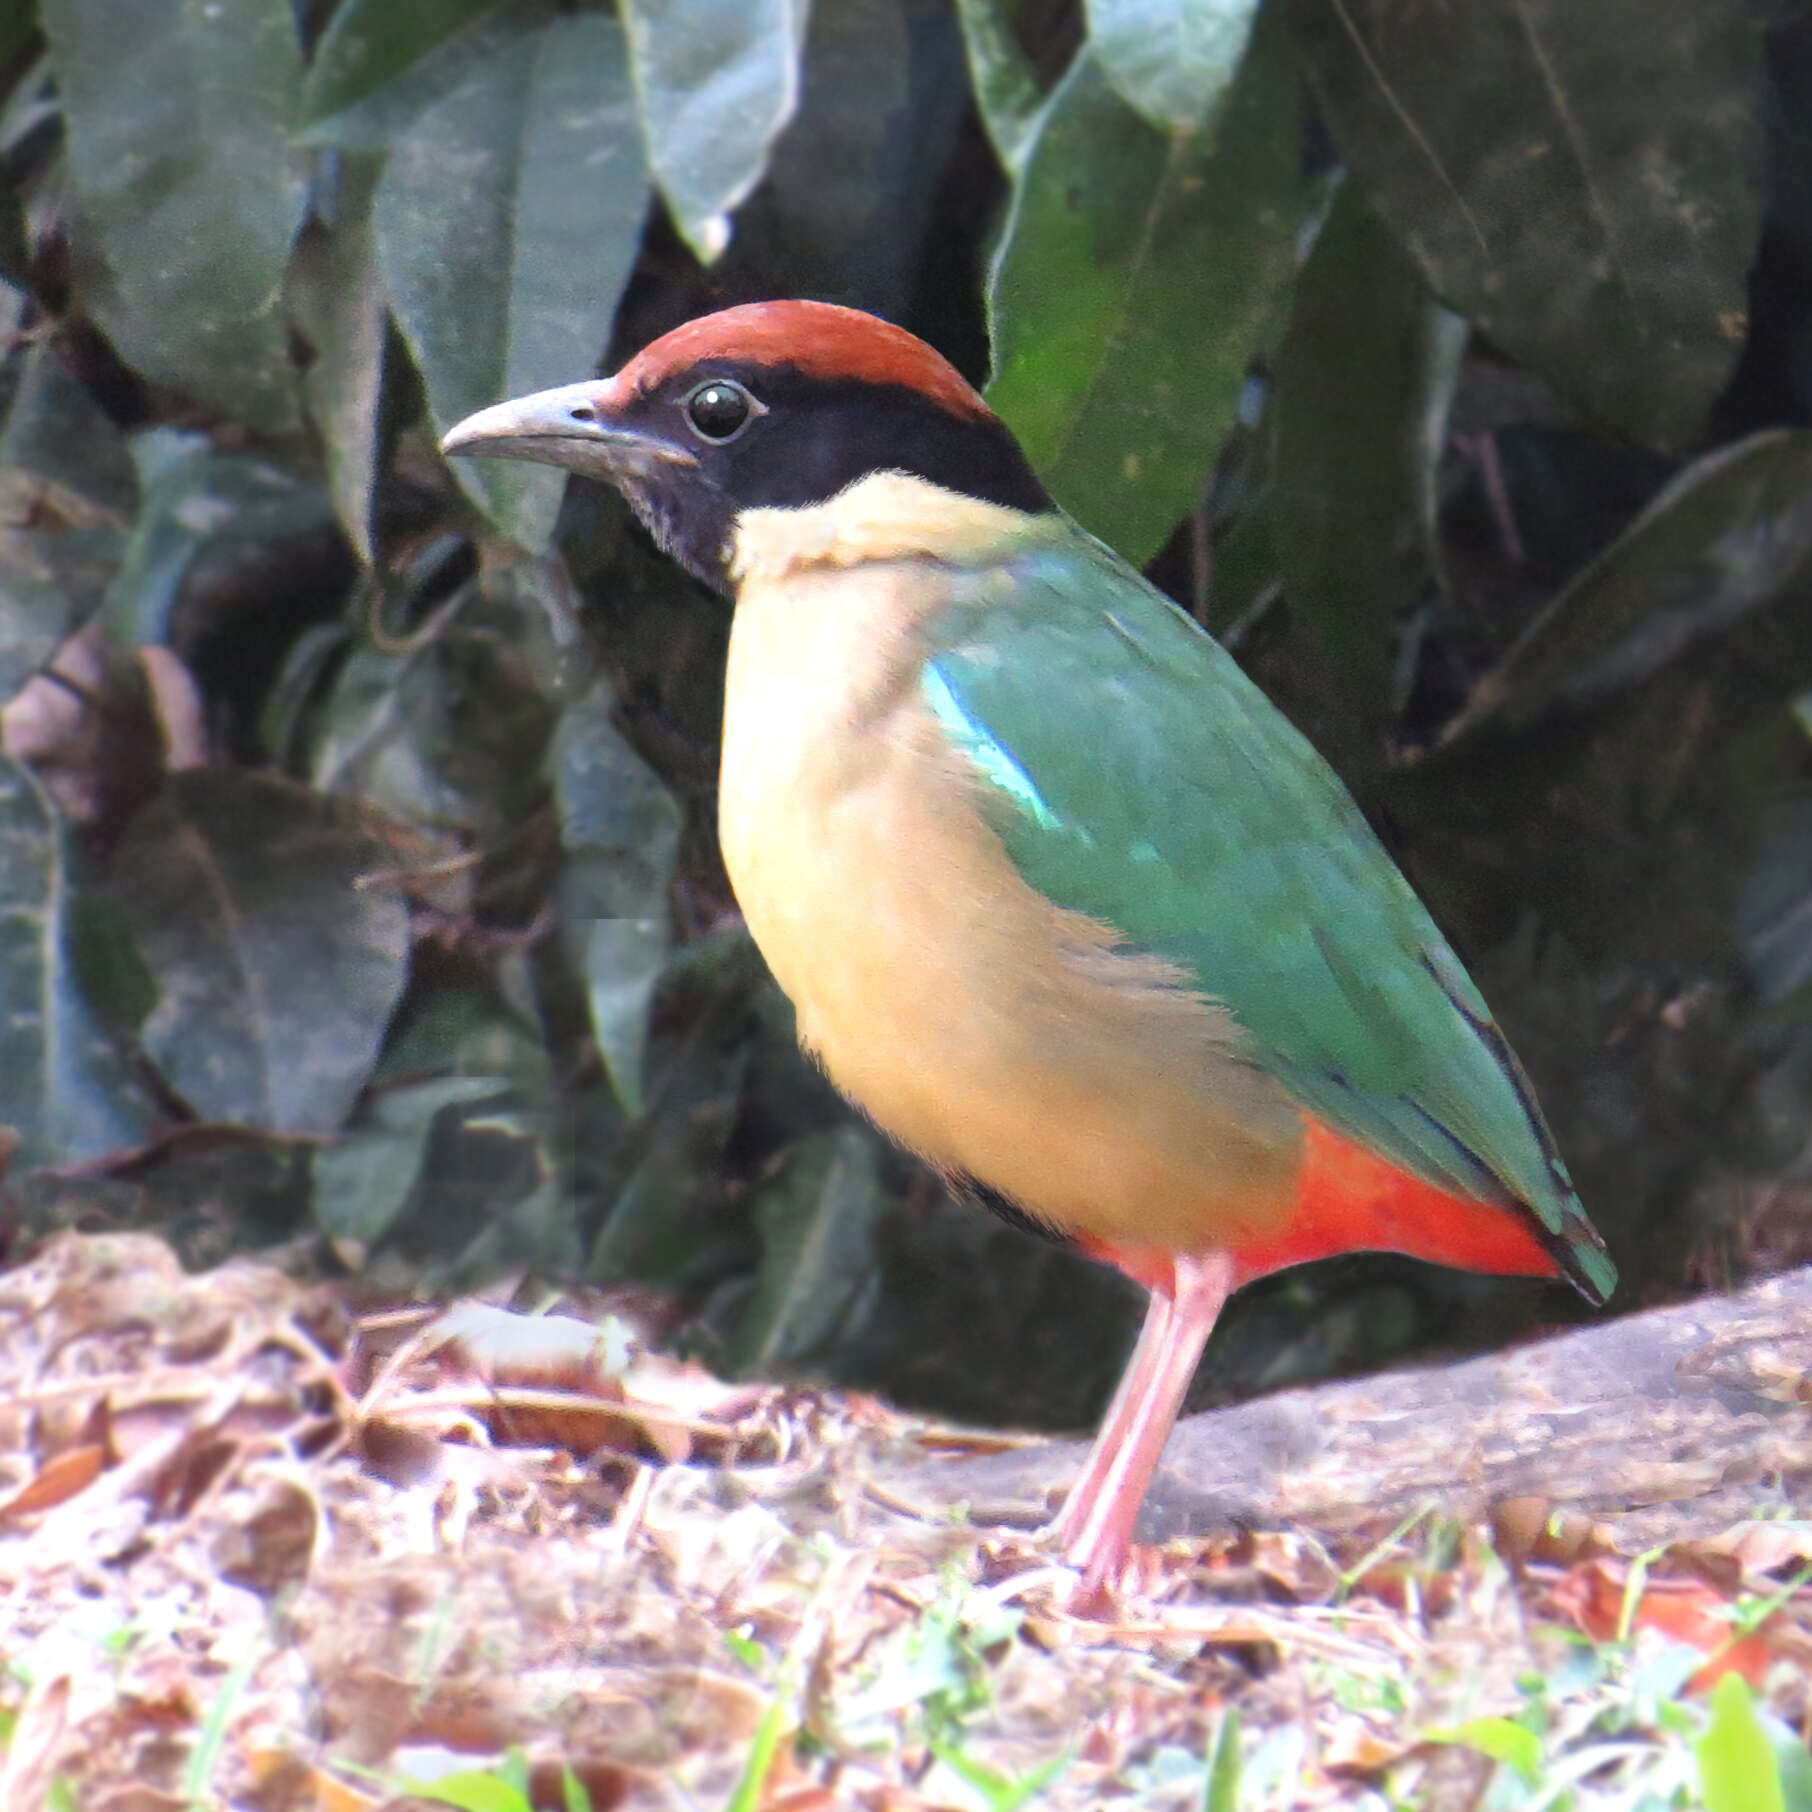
(56, 1481)
(1687, 1610)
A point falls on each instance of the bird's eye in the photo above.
(719, 410)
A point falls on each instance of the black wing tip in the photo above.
(1583, 1257)
(1571, 1240)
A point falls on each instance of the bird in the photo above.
(1062, 902)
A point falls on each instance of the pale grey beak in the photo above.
(568, 427)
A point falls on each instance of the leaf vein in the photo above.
(1577, 145)
(1395, 103)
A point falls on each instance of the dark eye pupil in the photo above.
(718, 410)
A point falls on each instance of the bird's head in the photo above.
(776, 405)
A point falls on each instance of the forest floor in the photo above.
(263, 1548)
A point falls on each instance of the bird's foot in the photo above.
(1100, 1588)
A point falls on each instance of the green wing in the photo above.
(1135, 774)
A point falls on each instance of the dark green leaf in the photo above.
(18, 21)
(491, 1193)
(382, 112)
(1731, 534)
(716, 81)
(1134, 276)
(853, 179)
(60, 451)
(1774, 912)
(388, 737)
(667, 1222)
(507, 222)
(68, 1094)
(1357, 417)
(364, 1182)
(620, 828)
(1794, 1761)
(187, 188)
(277, 952)
(1594, 868)
(1581, 182)
(1171, 59)
(1006, 87)
(339, 303)
(193, 500)
(622, 959)
(15, 245)
(450, 734)
(816, 1221)
(51, 582)
(370, 44)
(464, 1030)
(106, 962)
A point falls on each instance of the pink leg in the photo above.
(1117, 1425)
(1097, 1520)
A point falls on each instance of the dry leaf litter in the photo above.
(259, 1550)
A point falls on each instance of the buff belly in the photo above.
(993, 1033)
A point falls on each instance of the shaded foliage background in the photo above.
(358, 883)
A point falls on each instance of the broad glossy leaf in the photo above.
(507, 222)
(1581, 182)
(490, 1196)
(15, 247)
(1357, 416)
(192, 499)
(450, 734)
(620, 829)
(51, 582)
(457, 1029)
(68, 1093)
(668, 1221)
(716, 81)
(1171, 59)
(1005, 84)
(363, 1181)
(390, 94)
(277, 952)
(623, 958)
(1727, 537)
(1597, 869)
(187, 188)
(1774, 911)
(371, 44)
(18, 20)
(338, 298)
(1134, 276)
(60, 451)
(852, 186)
(816, 1221)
